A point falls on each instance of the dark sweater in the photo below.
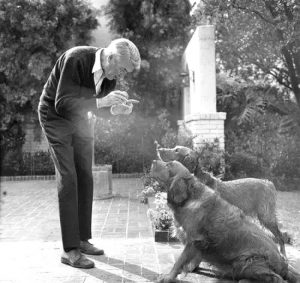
(70, 88)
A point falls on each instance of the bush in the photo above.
(38, 163)
(127, 142)
(151, 187)
(242, 165)
(259, 151)
(286, 168)
(212, 158)
(22, 164)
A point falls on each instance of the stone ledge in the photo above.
(52, 177)
(205, 116)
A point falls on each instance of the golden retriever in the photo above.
(218, 232)
(256, 197)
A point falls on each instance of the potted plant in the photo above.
(162, 219)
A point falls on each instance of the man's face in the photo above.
(118, 66)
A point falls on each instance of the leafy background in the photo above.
(258, 79)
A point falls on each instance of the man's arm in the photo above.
(71, 98)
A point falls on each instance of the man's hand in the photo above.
(124, 109)
(113, 98)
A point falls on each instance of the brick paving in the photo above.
(30, 242)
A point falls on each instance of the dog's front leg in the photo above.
(189, 253)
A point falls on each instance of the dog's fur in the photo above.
(218, 232)
(256, 197)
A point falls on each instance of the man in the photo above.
(82, 80)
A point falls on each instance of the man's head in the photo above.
(120, 57)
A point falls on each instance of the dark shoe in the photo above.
(87, 248)
(74, 258)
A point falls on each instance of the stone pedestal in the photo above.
(200, 115)
(206, 127)
(102, 175)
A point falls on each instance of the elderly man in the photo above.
(83, 79)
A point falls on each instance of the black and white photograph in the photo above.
(150, 141)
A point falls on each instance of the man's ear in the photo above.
(178, 191)
(110, 58)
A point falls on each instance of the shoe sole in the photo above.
(67, 262)
(90, 253)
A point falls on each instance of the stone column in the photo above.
(200, 113)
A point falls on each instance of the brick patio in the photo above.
(30, 238)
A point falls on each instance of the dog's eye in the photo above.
(176, 149)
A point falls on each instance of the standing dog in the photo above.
(255, 197)
(218, 232)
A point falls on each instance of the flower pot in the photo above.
(163, 236)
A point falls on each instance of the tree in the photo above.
(33, 34)
(160, 30)
(258, 40)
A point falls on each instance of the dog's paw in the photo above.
(166, 278)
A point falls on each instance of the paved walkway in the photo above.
(30, 238)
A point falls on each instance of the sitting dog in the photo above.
(255, 197)
(218, 232)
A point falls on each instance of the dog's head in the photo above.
(185, 155)
(176, 177)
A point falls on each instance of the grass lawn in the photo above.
(288, 211)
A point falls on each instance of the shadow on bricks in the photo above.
(115, 270)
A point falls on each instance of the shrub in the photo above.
(242, 165)
(211, 158)
(151, 187)
(38, 163)
(127, 142)
(286, 168)
(22, 164)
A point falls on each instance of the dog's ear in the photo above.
(190, 162)
(178, 191)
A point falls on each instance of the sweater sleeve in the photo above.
(71, 98)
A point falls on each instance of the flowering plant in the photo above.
(151, 186)
(161, 216)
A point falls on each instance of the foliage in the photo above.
(161, 216)
(211, 158)
(33, 34)
(244, 101)
(159, 29)
(38, 163)
(127, 142)
(256, 39)
(151, 187)
(242, 165)
(286, 167)
(258, 150)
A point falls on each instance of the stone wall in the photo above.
(207, 127)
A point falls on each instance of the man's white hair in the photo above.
(123, 47)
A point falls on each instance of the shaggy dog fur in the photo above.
(218, 232)
(256, 197)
